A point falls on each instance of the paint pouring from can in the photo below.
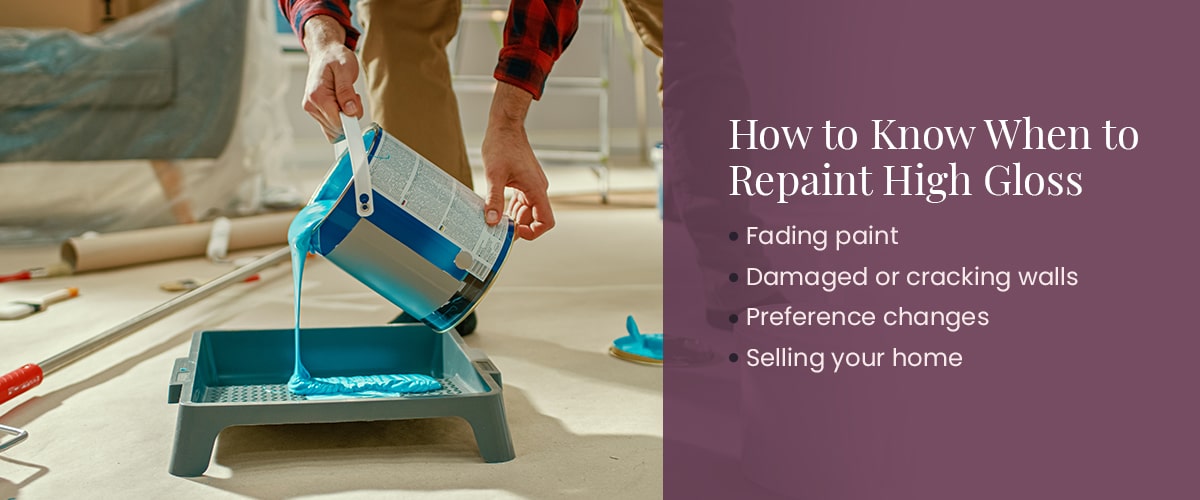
(300, 235)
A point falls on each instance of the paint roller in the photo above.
(16, 382)
(144, 246)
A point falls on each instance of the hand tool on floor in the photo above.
(58, 269)
(30, 375)
(22, 308)
(218, 249)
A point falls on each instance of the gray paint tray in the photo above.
(239, 377)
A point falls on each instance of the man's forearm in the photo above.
(321, 32)
(510, 105)
(509, 161)
(299, 12)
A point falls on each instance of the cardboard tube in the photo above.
(144, 246)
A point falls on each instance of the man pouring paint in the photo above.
(409, 85)
(403, 46)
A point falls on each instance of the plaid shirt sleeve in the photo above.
(535, 35)
(299, 12)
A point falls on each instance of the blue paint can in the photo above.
(408, 230)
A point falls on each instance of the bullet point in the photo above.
(733, 318)
(733, 357)
(733, 236)
(733, 277)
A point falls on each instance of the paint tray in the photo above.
(239, 377)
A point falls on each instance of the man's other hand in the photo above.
(509, 162)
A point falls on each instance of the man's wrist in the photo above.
(510, 105)
(322, 32)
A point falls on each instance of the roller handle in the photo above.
(18, 381)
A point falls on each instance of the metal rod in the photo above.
(140, 321)
(19, 435)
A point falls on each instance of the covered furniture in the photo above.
(162, 85)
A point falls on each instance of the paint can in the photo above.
(408, 230)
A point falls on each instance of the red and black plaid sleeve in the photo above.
(300, 11)
(535, 35)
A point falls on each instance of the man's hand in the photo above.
(332, 70)
(509, 162)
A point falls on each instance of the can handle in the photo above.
(363, 197)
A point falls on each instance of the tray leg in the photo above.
(194, 440)
(491, 432)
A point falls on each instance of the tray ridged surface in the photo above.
(226, 394)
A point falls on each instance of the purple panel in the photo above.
(1084, 391)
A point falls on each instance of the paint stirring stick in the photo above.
(21, 309)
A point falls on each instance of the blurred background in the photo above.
(123, 114)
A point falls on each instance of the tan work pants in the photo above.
(403, 51)
(647, 18)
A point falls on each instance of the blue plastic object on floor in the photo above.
(240, 377)
(638, 347)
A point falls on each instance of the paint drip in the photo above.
(300, 235)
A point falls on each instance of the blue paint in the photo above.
(646, 345)
(300, 236)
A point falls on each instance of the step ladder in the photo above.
(596, 159)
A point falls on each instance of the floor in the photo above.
(584, 424)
